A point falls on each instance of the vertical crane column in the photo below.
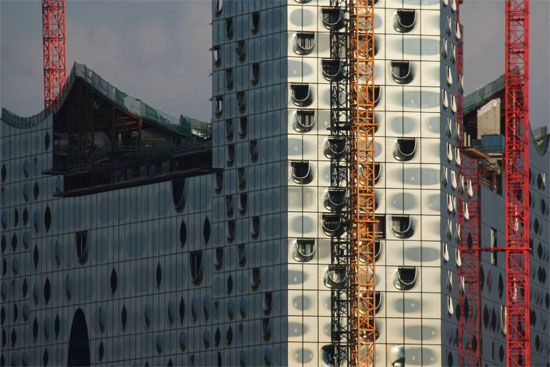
(54, 56)
(516, 170)
(362, 181)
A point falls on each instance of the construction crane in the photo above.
(516, 182)
(516, 171)
(53, 46)
(362, 181)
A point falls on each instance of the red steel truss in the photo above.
(53, 45)
(516, 170)
(469, 293)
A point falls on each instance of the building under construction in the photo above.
(345, 207)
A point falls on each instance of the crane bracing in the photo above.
(516, 172)
(53, 46)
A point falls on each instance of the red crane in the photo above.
(516, 171)
(53, 46)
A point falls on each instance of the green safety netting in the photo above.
(152, 116)
(481, 96)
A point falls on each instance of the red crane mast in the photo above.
(53, 46)
(516, 170)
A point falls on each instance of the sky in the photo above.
(158, 51)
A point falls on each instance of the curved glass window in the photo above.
(336, 147)
(230, 156)
(229, 78)
(241, 101)
(216, 55)
(304, 249)
(255, 227)
(243, 201)
(405, 148)
(255, 23)
(253, 150)
(301, 94)
(218, 258)
(336, 276)
(336, 198)
(402, 71)
(305, 42)
(230, 234)
(81, 245)
(328, 355)
(255, 279)
(241, 50)
(218, 105)
(402, 226)
(229, 131)
(219, 7)
(178, 194)
(333, 18)
(377, 172)
(229, 28)
(196, 267)
(405, 20)
(301, 172)
(405, 278)
(241, 178)
(304, 121)
(267, 303)
(333, 70)
(334, 225)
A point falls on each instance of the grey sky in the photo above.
(157, 50)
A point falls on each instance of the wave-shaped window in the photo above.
(402, 71)
(304, 249)
(267, 303)
(241, 50)
(336, 276)
(333, 18)
(253, 150)
(336, 147)
(241, 101)
(243, 202)
(405, 20)
(216, 55)
(241, 178)
(229, 28)
(218, 105)
(178, 194)
(229, 78)
(219, 7)
(301, 172)
(230, 156)
(229, 131)
(405, 148)
(304, 121)
(302, 95)
(305, 42)
(255, 73)
(255, 279)
(255, 24)
(402, 226)
(218, 185)
(336, 198)
(255, 227)
(405, 278)
(230, 234)
(445, 252)
(333, 70)
(196, 267)
(334, 225)
(218, 258)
